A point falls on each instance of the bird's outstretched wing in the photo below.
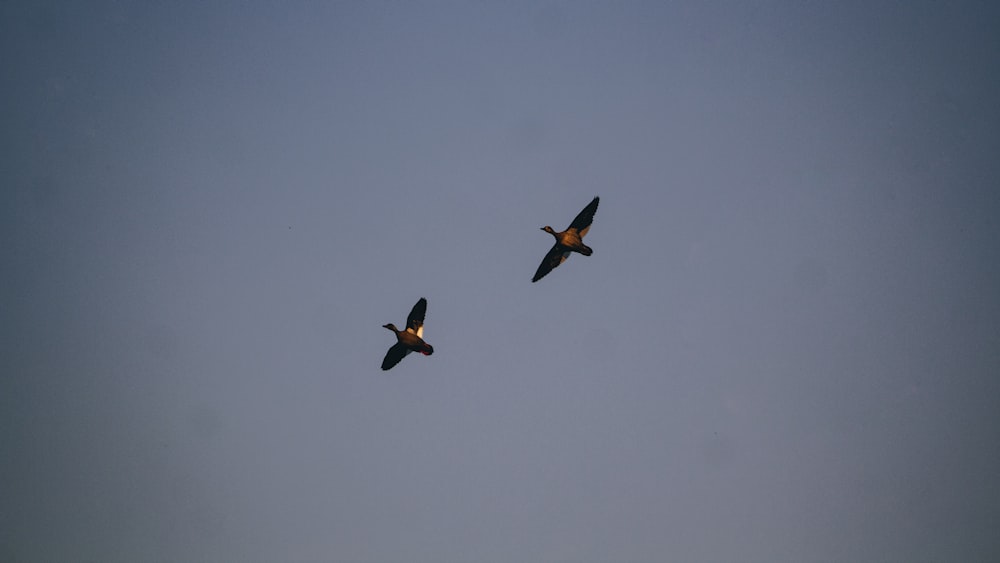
(396, 353)
(415, 322)
(586, 217)
(556, 256)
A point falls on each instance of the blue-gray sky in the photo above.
(785, 348)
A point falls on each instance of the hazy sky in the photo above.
(785, 347)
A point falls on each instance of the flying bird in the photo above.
(409, 340)
(570, 240)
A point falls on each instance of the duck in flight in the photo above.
(409, 340)
(570, 240)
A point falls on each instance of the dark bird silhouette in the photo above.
(570, 240)
(409, 340)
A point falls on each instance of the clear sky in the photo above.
(785, 347)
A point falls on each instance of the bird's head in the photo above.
(391, 327)
(548, 229)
